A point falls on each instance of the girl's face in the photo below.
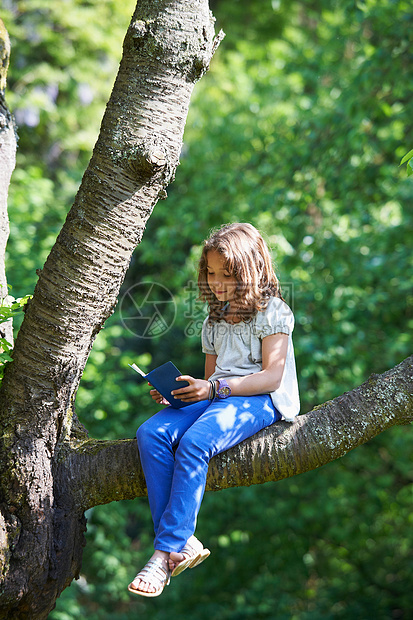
(220, 281)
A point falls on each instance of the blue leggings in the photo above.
(176, 479)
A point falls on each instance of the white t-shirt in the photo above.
(238, 347)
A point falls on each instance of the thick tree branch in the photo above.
(167, 48)
(104, 471)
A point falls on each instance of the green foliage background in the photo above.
(299, 128)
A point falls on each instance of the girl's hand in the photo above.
(198, 389)
(157, 397)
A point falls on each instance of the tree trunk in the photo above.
(7, 163)
(167, 48)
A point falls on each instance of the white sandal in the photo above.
(196, 553)
(155, 574)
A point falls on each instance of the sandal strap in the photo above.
(191, 549)
(154, 573)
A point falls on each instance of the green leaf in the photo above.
(5, 345)
(408, 156)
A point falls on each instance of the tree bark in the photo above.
(167, 48)
(7, 164)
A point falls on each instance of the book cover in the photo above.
(163, 379)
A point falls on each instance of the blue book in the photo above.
(163, 379)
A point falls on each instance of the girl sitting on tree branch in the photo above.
(250, 383)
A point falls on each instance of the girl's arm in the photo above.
(274, 353)
(210, 363)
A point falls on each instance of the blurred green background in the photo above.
(298, 128)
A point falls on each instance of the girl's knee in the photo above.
(191, 445)
(146, 432)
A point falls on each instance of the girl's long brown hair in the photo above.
(248, 259)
